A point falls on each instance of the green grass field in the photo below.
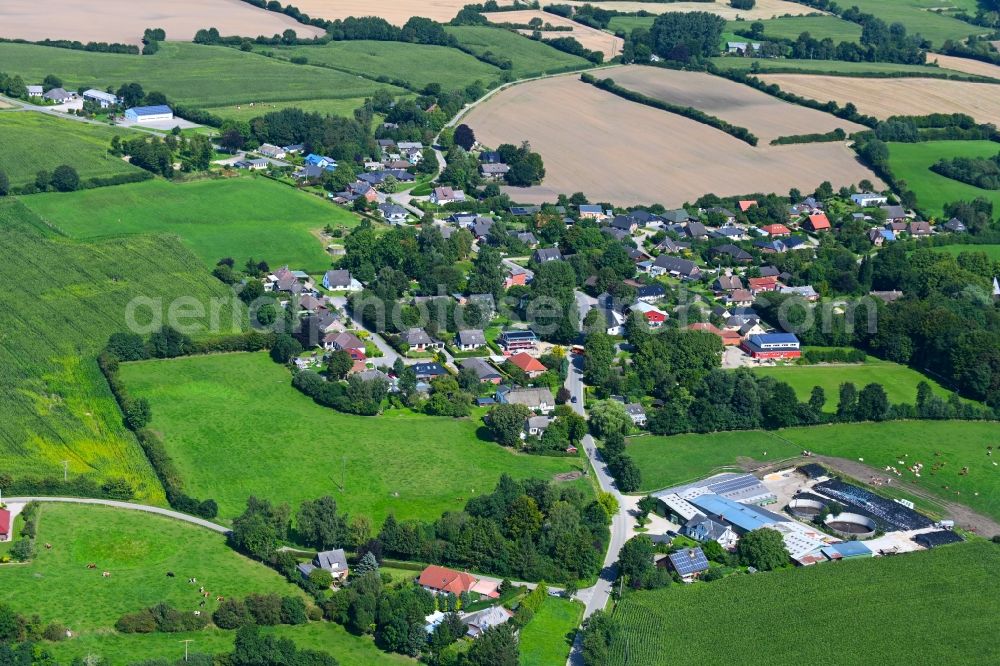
(138, 549)
(832, 67)
(236, 217)
(529, 58)
(914, 14)
(333, 107)
(31, 142)
(666, 461)
(992, 251)
(911, 162)
(548, 637)
(236, 427)
(630, 23)
(419, 64)
(203, 76)
(819, 27)
(62, 301)
(899, 381)
(927, 607)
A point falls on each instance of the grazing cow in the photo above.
(220, 598)
(106, 574)
(91, 566)
(170, 574)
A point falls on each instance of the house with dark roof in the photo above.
(418, 340)
(340, 279)
(894, 213)
(770, 246)
(650, 293)
(772, 346)
(525, 237)
(955, 226)
(515, 340)
(428, 371)
(470, 339)
(671, 246)
(674, 266)
(918, 229)
(689, 563)
(494, 170)
(481, 227)
(677, 216)
(446, 195)
(624, 223)
(486, 372)
(542, 255)
(702, 529)
(392, 213)
(733, 252)
(695, 229)
(344, 341)
(60, 95)
(332, 561)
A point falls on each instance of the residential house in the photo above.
(479, 621)
(919, 229)
(650, 293)
(675, 267)
(270, 150)
(59, 95)
(441, 580)
(535, 426)
(525, 237)
(535, 399)
(294, 148)
(772, 346)
(35, 91)
(332, 561)
(868, 199)
(776, 230)
(746, 204)
(670, 246)
(728, 215)
(742, 48)
(895, 214)
(545, 254)
(517, 276)
(695, 229)
(486, 372)
(258, 164)
(470, 339)
(336, 280)
(427, 371)
(807, 292)
(733, 252)
(490, 157)
(654, 317)
(418, 340)
(310, 304)
(702, 529)
(516, 340)
(103, 99)
(795, 242)
(725, 283)
(494, 170)
(771, 246)
(742, 298)
(887, 296)
(321, 161)
(309, 172)
(762, 284)
(614, 320)
(625, 223)
(445, 195)
(689, 563)
(525, 211)
(955, 225)
(637, 413)
(732, 233)
(591, 211)
(817, 222)
(618, 234)
(677, 216)
(393, 213)
(347, 342)
(481, 226)
(729, 338)
(879, 237)
(530, 365)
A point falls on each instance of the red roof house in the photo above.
(443, 580)
(4, 523)
(818, 222)
(757, 285)
(528, 363)
(729, 338)
(747, 204)
(776, 230)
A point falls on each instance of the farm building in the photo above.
(937, 538)
(149, 114)
(102, 98)
(772, 345)
(743, 488)
(59, 95)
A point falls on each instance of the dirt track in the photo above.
(124, 20)
(620, 151)
(963, 516)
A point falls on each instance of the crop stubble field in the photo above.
(396, 12)
(763, 9)
(124, 20)
(931, 607)
(766, 116)
(615, 150)
(590, 38)
(889, 97)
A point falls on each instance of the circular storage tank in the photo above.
(805, 508)
(852, 525)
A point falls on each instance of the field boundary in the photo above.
(176, 515)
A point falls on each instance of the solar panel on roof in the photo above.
(689, 561)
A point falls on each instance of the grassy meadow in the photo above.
(819, 27)
(63, 299)
(666, 461)
(235, 217)
(918, 19)
(418, 64)
(630, 23)
(548, 637)
(899, 381)
(202, 76)
(912, 163)
(236, 427)
(332, 107)
(832, 67)
(31, 142)
(138, 549)
(991, 251)
(926, 607)
(529, 58)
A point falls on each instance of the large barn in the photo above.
(149, 114)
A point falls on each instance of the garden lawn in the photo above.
(927, 607)
(818, 27)
(138, 549)
(832, 67)
(32, 142)
(548, 637)
(234, 217)
(417, 64)
(992, 251)
(899, 381)
(528, 57)
(63, 299)
(912, 162)
(236, 427)
(667, 461)
(192, 74)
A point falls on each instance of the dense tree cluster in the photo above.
(353, 396)
(982, 172)
(685, 36)
(531, 530)
(161, 617)
(261, 609)
(158, 155)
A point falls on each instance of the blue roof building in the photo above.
(142, 114)
(772, 345)
(847, 549)
(321, 161)
(743, 517)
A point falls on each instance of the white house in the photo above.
(35, 91)
(446, 195)
(272, 151)
(102, 98)
(149, 114)
(866, 199)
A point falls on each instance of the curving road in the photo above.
(169, 513)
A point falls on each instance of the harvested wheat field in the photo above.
(627, 153)
(766, 116)
(124, 20)
(889, 97)
(966, 65)
(396, 12)
(763, 9)
(591, 38)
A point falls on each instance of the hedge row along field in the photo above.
(927, 607)
(63, 299)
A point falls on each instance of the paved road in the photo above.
(389, 355)
(176, 515)
(21, 105)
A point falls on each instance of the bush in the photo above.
(208, 509)
(23, 549)
(142, 622)
(54, 632)
(65, 178)
(293, 611)
(231, 614)
(264, 608)
(118, 489)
